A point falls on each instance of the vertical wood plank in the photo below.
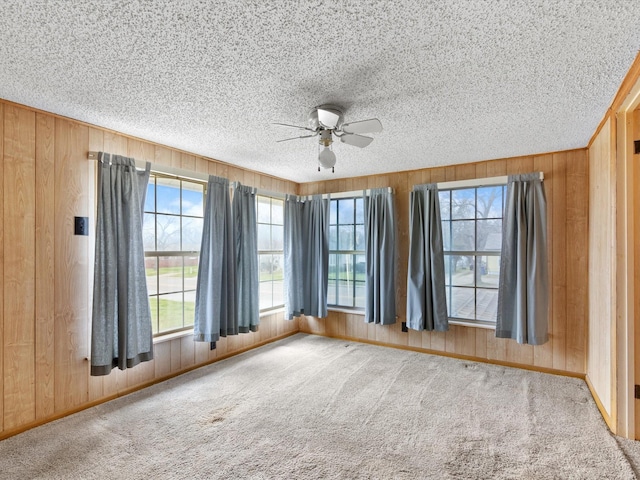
(187, 352)
(558, 273)
(19, 267)
(543, 354)
(71, 263)
(44, 268)
(2, 264)
(577, 201)
(96, 144)
(162, 359)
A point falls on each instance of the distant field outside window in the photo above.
(172, 233)
(347, 267)
(472, 235)
(270, 219)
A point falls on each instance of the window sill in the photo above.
(352, 311)
(184, 333)
(464, 323)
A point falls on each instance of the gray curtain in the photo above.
(293, 257)
(215, 310)
(426, 294)
(121, 332)
(315, 228)
(380, 253)
(523, 295)
(246, 245)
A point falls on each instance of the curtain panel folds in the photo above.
(121, 332)
(523, 295)
(380, 254)
(215, 309)
(293, 257)
(246, 246)
(426, 294)
(315, 230)
(306, 256)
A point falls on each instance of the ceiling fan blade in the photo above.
(294, 126)
(355, 140)
(327, 118)
(295, 138)
(372, 125)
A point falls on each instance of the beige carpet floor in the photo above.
(313, 407)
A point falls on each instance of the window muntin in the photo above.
(270, 219)
(347, 267)
(472, 237)
(172, 234)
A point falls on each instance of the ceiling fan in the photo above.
(325, 122)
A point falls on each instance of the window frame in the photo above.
(158, 254)
(352, 253)
(272, 308)
(474, 185)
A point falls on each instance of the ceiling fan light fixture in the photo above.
(327, 159)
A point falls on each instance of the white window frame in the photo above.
(271, 197)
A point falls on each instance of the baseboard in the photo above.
(127, 391)
(607, 418)
(458, 356)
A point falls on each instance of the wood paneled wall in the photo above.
(566, 184)
(602, 252)
(46, 272)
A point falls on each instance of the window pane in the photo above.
(191, 234)
(189, 307)
(265, 261)
(487, 304)
(168, 195)
(445, 204)
(333, 275)
(277, 234)
(463, 302)
(278, 280)
(150, 200)
(167, 233)
(489, 202)
(360, 270)
(447, 269)
(489, 235)
(333, 212)
(488, 272)
(266, 295)
(345, 211)
(149, 232)
(170, 311)
(333, 237)
(345, 237)
(446, 235)
(345, 280)
(462, 270)
(277, 211)
(359, 237)
(264, 209)
(192, 199)
(190, 272)
(151, 268)
(359, 210)
(264, 236)
(463, 232)
(170, 274)
(153, 304)
(463, 204)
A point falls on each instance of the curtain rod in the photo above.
(339, 195)
(478, 182)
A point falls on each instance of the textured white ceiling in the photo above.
(451, 81)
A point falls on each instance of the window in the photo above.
(472, 237)
(347, 267)
(172, 233)
(270, 215)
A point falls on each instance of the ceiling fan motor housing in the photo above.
(315, 123)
